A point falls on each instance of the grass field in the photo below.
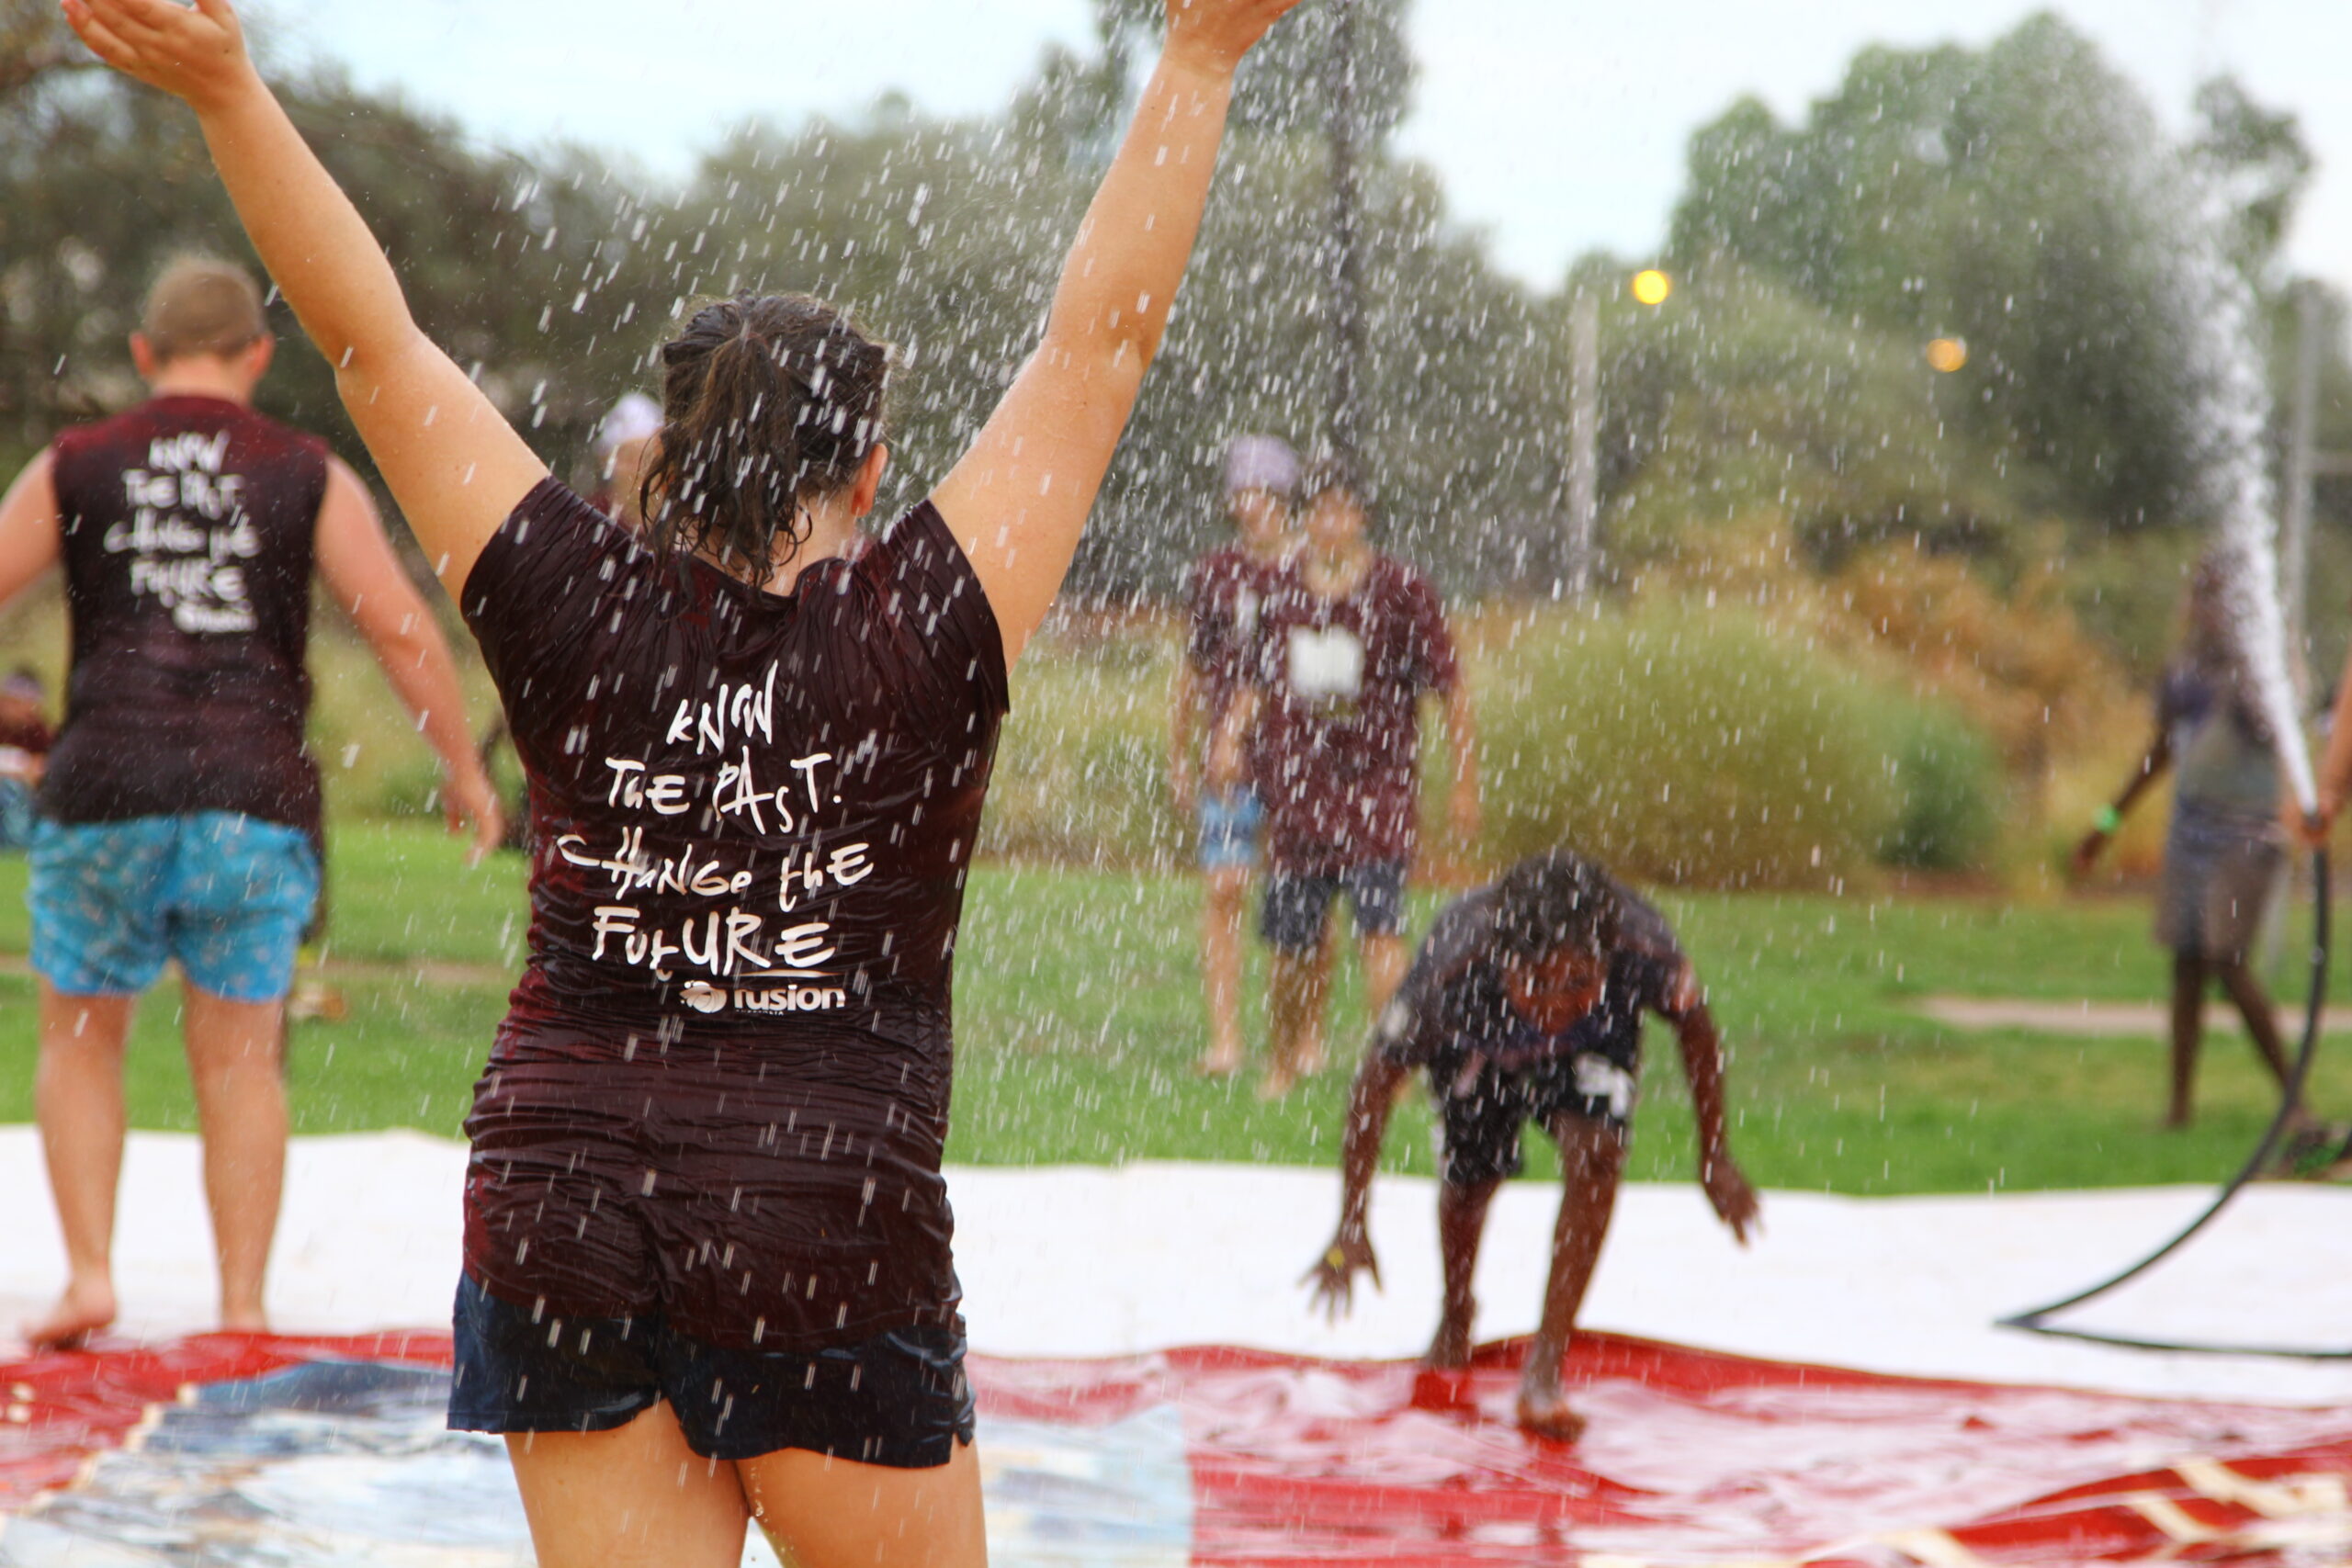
(1079, 1017)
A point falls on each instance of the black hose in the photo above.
(2291, 1101)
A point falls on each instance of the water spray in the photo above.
(2230, 417)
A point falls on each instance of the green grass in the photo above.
(1078, 1017)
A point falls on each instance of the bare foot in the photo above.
(1310, 1059)
(1450, 1351)
(253, 1321)
(1545, 1413)
(1219, 1064)
(1277, 1083)
(81, 1312)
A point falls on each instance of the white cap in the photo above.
(1260, 462)
(634, 418)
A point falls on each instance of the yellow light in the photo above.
(1651, 286)
(1947, 354)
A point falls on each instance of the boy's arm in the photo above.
(2151, 768)
(1183, 724)
(1461, 720)
(1702, 1064)
(360, 570)
(1369, 1102)
(1019, 499)
(30, 540)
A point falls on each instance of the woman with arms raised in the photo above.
(707, 1272)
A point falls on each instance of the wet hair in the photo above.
(1553, 900)
(202, 305)
(767, 401)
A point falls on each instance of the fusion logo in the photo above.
(706, 998)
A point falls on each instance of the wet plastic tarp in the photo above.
(232, 1451)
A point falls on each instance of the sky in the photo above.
(1558, 127)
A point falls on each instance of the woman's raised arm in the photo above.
(454, 464)
(1018, 499)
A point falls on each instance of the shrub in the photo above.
(1699, 746)
(1948, 787)
(1081, 773)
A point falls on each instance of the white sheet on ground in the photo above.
(1095, 1260)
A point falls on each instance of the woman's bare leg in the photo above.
(633, 1498)
(830, 1513)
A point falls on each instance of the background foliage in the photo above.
(1975, 570)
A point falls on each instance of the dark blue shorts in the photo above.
(1298, 907)
(1482, 1107)
(899, 1399)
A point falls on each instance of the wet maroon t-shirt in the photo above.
(1339, 738)
(1224, 591)
(721, 1089)
(189, 533)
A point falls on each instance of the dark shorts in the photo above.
(1298, 907)
(899, 1399)
(1482, 1109)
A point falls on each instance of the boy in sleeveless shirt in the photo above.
(179, 808)
(1349, 642)
(1526, 1004)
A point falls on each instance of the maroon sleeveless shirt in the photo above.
(188, 524)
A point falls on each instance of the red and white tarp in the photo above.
(236, 1450)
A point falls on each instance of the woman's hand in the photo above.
(1218, 33)
(196, 52)
(2086, 855)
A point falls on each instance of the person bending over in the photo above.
(1348, 644)
(708, 1265)
(178, 810)
(2225, 855)
(1224, 591)
(1526, 1003)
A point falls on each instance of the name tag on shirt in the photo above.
(1325, 665)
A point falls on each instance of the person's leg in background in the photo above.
(1378, 895)
(2188, 977)
(1228, 825)
(235, 1064)
(1296, 917)
(78, 1101)
(96, 946)
(242, 892)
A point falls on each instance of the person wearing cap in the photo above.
(1348, 641)
(179, 810)
(1223, 592)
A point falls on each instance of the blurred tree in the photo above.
(100, 182)
(35, 43)
(2025, 199)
